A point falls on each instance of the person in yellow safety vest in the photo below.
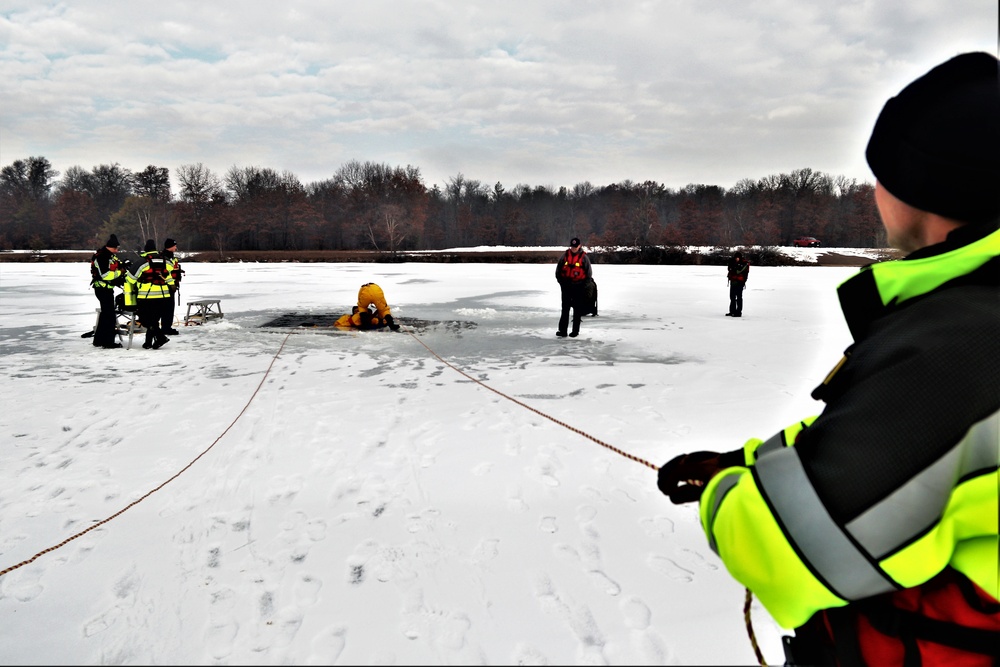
(147, 290)
(372, 311)
(107, 272)
(872, 529)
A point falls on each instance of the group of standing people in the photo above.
(148, 289)
(575, 275)
(872, 528)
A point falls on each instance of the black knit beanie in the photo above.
(150, 246)
(112, 242)
(936, 145)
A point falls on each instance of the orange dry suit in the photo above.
(371, 312)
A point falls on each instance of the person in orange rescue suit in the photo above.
(872, 528)
(174, 266)
(107, 271)
(738, 272)
(372, 311)
(147, 291)
(572, 273)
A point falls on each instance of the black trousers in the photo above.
(150, 312)
(167, 313)
(107, 321)
(573, 296)
(736, 297)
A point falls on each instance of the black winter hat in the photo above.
(574, 241)
(112, 242)
(169, 243)
(150, 246)
(936, 145)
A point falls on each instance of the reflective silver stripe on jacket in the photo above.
(820, 540)
(917, 505)
(843, 557)
(772, 444)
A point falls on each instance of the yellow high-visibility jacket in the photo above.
(897, 478)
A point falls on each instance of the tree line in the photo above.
(372, 206)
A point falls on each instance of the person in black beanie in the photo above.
(872, 528)
(737, 273)
(174, 267)
(107, 272)
(573, 271)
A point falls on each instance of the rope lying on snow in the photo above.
(537, 412)
(149, 493)
(749, 595)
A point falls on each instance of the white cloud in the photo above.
(596, 91)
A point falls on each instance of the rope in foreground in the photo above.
(749, 595)
(151, 492)
(537, 412)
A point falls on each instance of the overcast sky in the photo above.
(535, 92)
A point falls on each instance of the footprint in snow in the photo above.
(605, 583)
(327, 646)
(659, 527)
(307, 589)
(220, 638)
(670, 568)
(702, 561)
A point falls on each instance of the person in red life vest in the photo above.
(872, 528)
(739, 271)
(372, 311)
(147, 291)
(107, 272)
(572, 273)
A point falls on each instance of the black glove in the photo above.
(683, 478)
(391, 322)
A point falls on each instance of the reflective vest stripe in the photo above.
(845, 559)
(895, 279)
(911, 509)
(823, 545)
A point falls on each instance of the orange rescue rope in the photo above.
(749, 595)
(149, 493)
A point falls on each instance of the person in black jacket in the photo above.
(739, 271)
(107, 272)
(872, 528)
(174, 266)
(572, 272)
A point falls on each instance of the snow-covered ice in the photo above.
(314, 497)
